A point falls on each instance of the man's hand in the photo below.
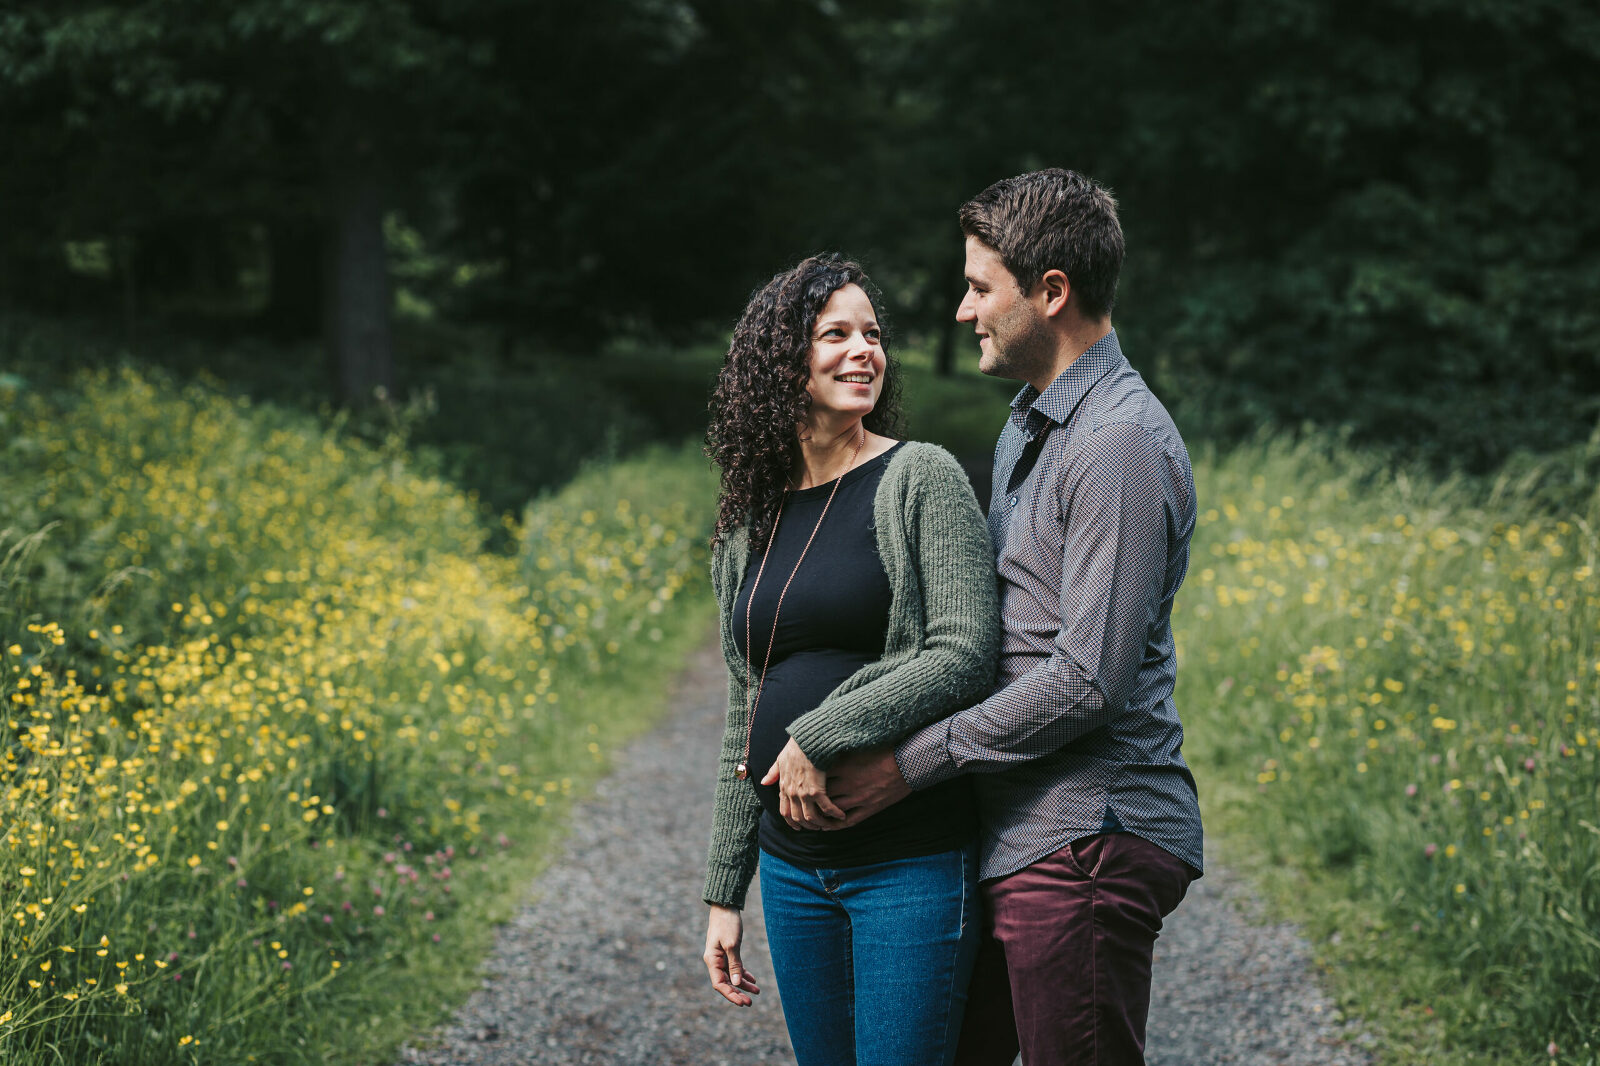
(802, 791)
(864, 783)
(728, 975)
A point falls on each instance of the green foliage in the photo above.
(1373, 215)
(636, 528)
(282, 738)
(1391, 688)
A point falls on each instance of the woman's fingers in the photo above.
(829, 808)
(722, 981)
(803, 801)
(722, 960)
(743, 986)
(817, 810)
(789, 807)
(740, 978)
(813, 813)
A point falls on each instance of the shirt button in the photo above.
(1013, 501)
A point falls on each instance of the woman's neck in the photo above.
(827, 452)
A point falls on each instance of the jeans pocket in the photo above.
(1084, 855)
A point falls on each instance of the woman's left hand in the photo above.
(802, 791)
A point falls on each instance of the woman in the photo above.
(857, 593)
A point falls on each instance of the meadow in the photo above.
(292, 717)
(1391, 692)
(1390, 685)
(283, 737)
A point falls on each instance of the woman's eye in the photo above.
(875, 334)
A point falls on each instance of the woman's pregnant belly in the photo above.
(794, 686)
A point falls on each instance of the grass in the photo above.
(1389, 684)
(283, 736)
(1391, 688)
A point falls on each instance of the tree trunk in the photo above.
(125, 245)
(944, 362)
(359, 336)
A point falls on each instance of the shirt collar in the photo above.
(1031, 409)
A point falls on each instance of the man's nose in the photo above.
(965, 312)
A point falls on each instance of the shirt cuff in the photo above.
(924, 757)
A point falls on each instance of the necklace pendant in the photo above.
(742, 772)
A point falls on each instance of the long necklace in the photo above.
(752, 700)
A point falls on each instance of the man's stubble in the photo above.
(1020, 346)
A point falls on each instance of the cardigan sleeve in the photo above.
(732, 854)
(952, 564)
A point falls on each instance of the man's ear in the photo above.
(1057, 290)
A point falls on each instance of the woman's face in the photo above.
(847, 359)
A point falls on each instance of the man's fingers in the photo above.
(771, 775)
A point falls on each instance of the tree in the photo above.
(311, 115)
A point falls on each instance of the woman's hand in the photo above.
(802, 791)
(728, 975)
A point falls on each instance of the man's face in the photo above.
(1013, 341)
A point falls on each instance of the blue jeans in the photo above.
(903, 933)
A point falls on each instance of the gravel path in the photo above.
(603, 964)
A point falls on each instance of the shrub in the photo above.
(273, 711)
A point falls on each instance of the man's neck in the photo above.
(1074, 339)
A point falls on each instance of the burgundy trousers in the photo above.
(1063, 970)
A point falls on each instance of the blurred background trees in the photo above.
(1378, 214)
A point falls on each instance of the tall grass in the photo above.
(1393, 685)
(278, 725)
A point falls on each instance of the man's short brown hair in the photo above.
(1052, 220)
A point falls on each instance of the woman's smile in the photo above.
(847, 353)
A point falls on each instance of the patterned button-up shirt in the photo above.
(1081, 735)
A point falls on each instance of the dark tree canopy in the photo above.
(1380, 213)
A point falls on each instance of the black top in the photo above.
(834, 621)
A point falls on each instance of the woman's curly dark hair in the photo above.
(761, 395)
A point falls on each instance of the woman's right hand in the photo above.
(728, 975)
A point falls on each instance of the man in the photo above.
(1091, 826)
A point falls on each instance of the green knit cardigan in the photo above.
(939, 654)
